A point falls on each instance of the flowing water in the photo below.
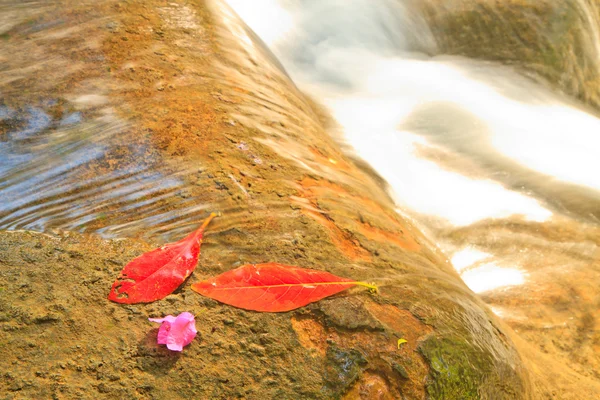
(500, 171)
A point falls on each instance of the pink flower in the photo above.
(176, 332)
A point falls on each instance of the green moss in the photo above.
(457, 369)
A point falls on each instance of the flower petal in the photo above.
(168, 318)
(182, 332)
(176, 332)
(163, 333)
(165, 327)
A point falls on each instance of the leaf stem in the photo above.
(371, 286)
(207, 221)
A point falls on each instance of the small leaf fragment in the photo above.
(273, 287)
(401, 342)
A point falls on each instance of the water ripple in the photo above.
(68, 172)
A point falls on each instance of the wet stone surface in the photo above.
(157, 85)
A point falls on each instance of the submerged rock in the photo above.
(557, 41)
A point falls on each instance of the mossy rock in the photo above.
(555, 41)
(458, 370)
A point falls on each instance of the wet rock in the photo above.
(348, 314)
(343, 345)
(401, 370)
(220, 185)
(510, 31)
(450, 378)
(46, 318)
(342, 369)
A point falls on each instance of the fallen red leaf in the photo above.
(273, 287)
(158, 273)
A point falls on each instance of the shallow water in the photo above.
(500, 171)
(74, 173)
(68, 159)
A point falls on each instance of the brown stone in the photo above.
(193, 93)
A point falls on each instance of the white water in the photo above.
(459, 141)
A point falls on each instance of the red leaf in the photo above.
(158, 273)
(273, 287)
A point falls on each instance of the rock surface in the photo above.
(193, 86)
